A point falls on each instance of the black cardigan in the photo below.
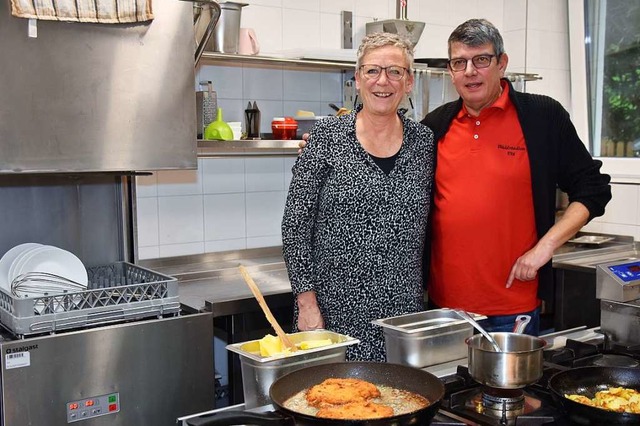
(557, 158)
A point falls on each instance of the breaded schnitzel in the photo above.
(341, 391)
(356, 410)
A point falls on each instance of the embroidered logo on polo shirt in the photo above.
(511, 149)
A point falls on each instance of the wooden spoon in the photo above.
(267, 312)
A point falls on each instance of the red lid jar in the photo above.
(284, 128)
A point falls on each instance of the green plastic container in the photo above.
(218, 130)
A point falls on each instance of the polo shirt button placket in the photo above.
(476, 136)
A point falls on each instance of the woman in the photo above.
(355, 217)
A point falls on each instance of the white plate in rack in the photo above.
(50, 260)
(7, 261)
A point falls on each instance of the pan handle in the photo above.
(521, 323)
(229, 418)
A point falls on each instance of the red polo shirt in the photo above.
(483, 216)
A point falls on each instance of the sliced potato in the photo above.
(621, 400)
(270, 345)
(310, 344)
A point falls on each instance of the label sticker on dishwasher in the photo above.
(17, 360)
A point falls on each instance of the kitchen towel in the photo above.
(97, 11)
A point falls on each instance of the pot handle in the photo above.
(521, 323)
(228, 418)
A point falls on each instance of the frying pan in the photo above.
(394, 375)
(587, 381)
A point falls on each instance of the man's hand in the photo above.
(527, 265)
(303, 142)
(309, 316)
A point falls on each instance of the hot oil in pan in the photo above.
(401, 401)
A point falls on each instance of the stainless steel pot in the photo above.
(516, 366)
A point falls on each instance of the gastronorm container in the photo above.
(426, 338)
(305, 124)
(258, 372)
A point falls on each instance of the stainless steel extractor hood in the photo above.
(93, 97)
(401, 25)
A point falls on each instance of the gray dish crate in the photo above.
(116, 292)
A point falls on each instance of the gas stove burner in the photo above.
(499, 402)
(613, 360)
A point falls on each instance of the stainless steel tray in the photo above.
(116, 292)
(592, 239)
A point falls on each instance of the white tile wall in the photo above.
(622, 215)
(233, 203)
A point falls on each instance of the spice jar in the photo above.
(284, 128)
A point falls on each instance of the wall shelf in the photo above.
(212, 58)
(247, 148)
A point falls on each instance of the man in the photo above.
(500, 156)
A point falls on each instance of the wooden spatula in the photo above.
(267, 312)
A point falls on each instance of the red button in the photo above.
(113, 407)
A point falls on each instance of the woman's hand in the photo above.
(309, 316)
(303, 142)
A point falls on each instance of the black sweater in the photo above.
(557, 158)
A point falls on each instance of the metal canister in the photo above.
(226, 34)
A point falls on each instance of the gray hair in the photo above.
(376, 40)
(476, 32)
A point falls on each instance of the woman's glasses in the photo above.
(373, 72)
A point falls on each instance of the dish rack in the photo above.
(116, 292)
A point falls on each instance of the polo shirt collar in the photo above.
(500, 103)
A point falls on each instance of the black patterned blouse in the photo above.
(354, 234)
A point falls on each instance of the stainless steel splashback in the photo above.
(89, 97)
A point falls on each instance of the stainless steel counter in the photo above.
(575, 279)
(586, 256)
(587, 260)
(212, 282)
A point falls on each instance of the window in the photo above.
(612, 37)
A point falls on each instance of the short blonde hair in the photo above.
(376, 40)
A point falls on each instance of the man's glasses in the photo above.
(479, 61)
(373, 72)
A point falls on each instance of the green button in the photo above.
(112, 399)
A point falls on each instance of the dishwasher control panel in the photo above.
(93, 407)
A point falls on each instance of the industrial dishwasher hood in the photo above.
(84, 97)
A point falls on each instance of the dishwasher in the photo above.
(123, 352)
